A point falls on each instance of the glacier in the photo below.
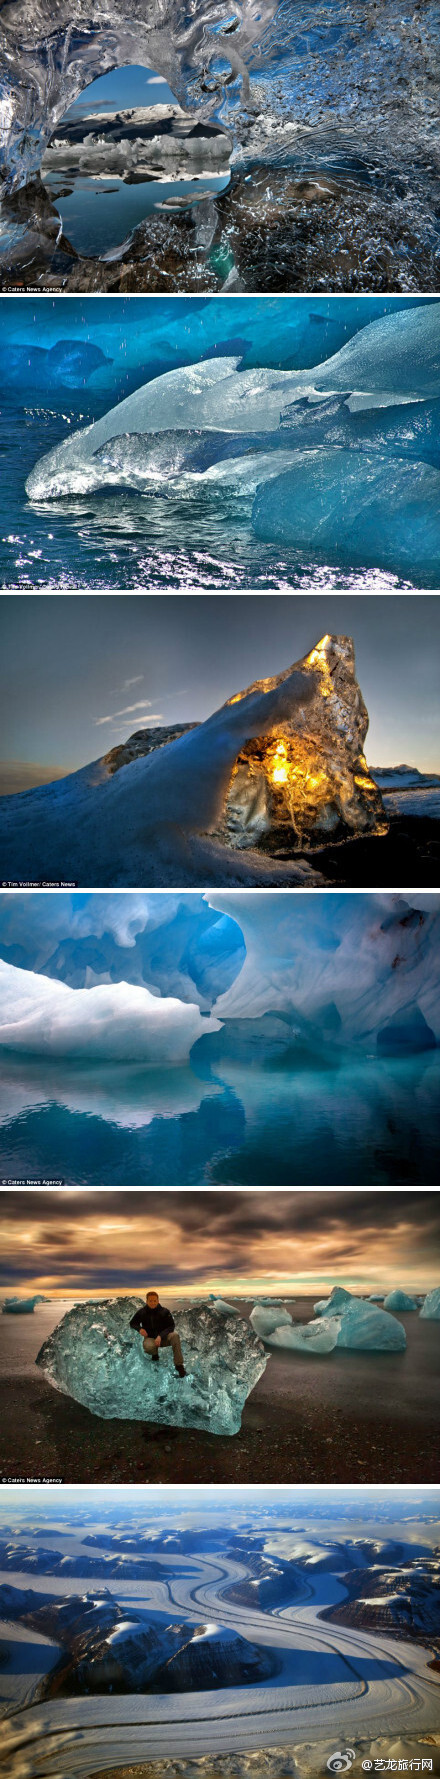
(431, 1307)
(94, 1356)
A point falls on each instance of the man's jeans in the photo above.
(167, 1340)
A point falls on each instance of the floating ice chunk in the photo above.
(376, 1297)
(355, 508)
(94, 1356)
(365, 1326)
(307, 1337)
(222, 1308)
(265, 1320)
(118, 1021)
(21, 1306)
(211, 396)
(399, 1300)
(335, 1303)
(431, 1307)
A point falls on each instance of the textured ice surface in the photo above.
(51, 52)
(335, 1303)
(399, 1300)
(266, 1320)
(115, 1021)
(306, 1337)
(365, 1326)
(431, 1307)
(309, 780)
(94, 1356)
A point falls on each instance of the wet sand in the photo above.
(352, 1417)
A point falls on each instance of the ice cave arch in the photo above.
(51, 53)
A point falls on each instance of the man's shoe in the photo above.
(155, 1356)
(180, 1370)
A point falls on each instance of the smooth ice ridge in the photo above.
(431, 1307)
(390, 361)
(354, 508)
(399, 1300)
(117, 1021)
(94, 1356)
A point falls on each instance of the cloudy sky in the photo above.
(91, 1243)
(81, 674)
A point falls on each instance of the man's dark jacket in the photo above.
(153, 1322)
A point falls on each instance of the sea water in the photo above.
(364, 1123)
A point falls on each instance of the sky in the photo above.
(236, 1243)
(132, 85)
(80, 674)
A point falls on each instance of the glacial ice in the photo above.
(392, 360)
(354, 508)
(21, 1306)
(115, 1021)
(335, 1303)
(222, 1308)
(265, 1320)
(306, 1337)
(309, 782)
(399, 1300)
(94, 1356)
(431, 1307)
(366, 1327)
(151, 820)
(371, 958)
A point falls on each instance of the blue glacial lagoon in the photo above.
(362, 1123)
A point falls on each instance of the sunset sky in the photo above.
(188, 1243)
(81, 674)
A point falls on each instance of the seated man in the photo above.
(157, 1328)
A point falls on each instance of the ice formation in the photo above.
(431, 1307)
(306, 1337)
(335, 1303)
(310, 780)
(361, 509)
(94, 1356)
(51, 52)
(343, 1321)
(399, 1300)
(148, 822)
(20, 1306)
(116, 1021)
(365, 1326)
(224, 1309)
(265, 1320)
(370, 961)
(391, 361)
